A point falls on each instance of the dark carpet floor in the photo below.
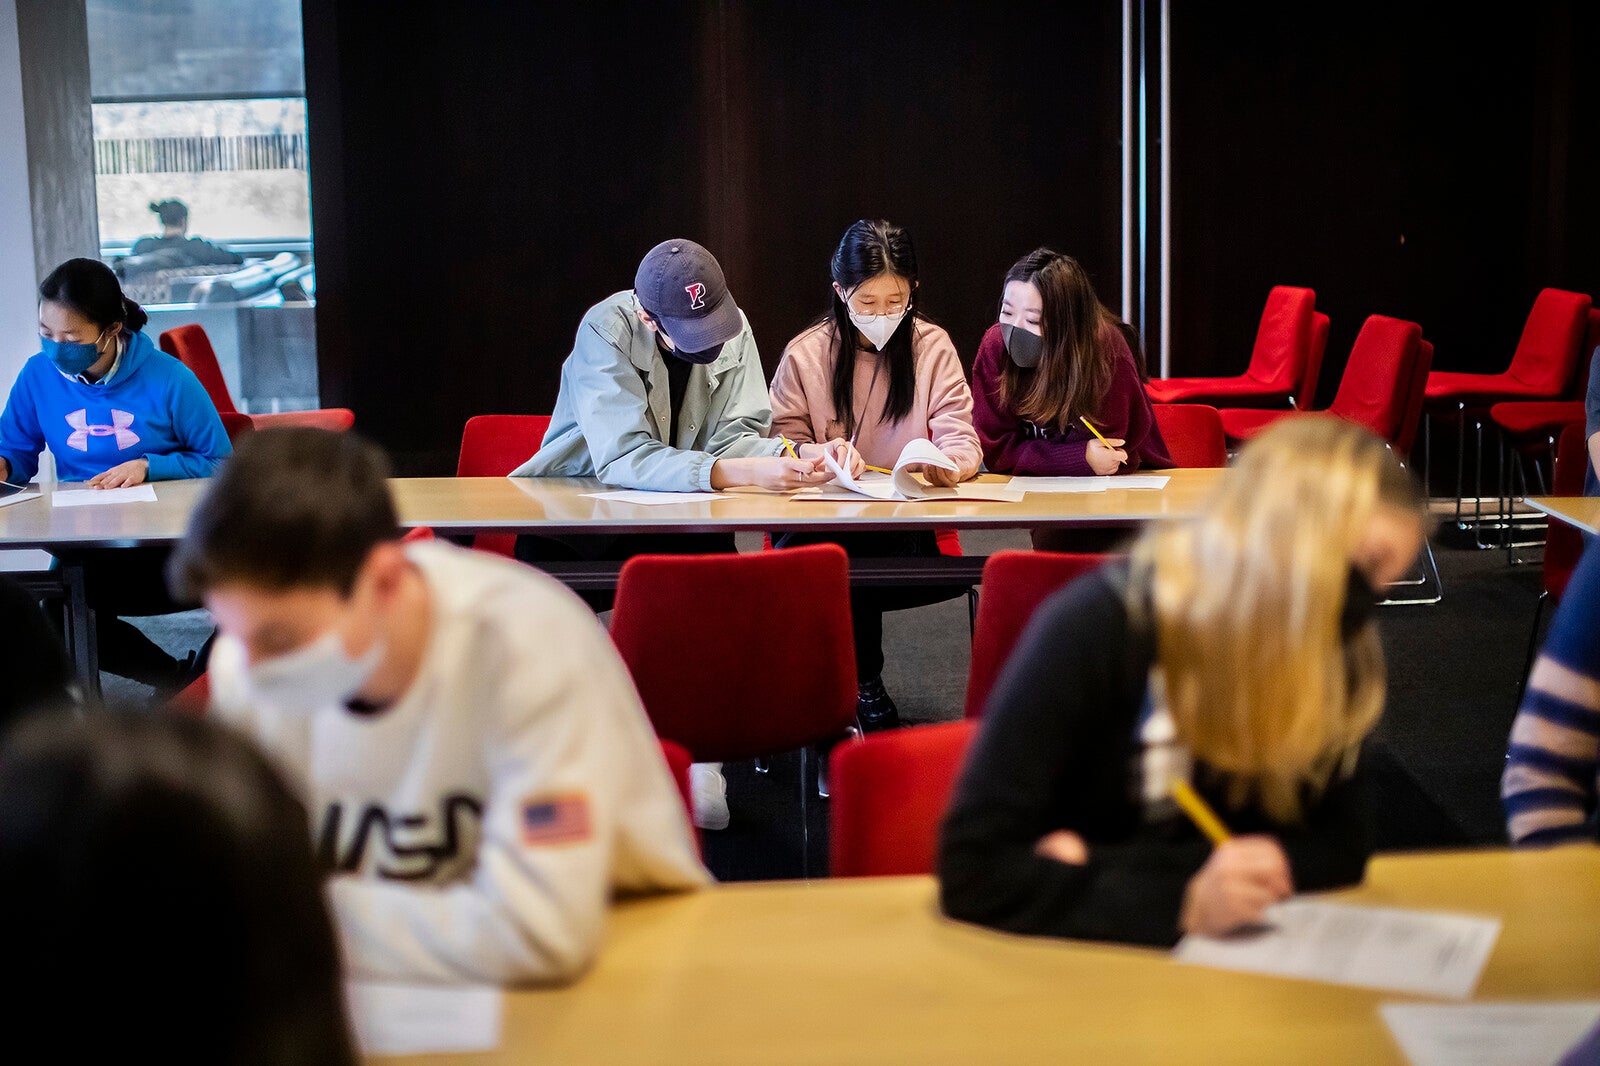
(1454, 669)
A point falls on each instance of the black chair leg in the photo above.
(805, 812)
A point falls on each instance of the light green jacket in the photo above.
(613, 413)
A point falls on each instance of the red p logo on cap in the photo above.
(697, 295)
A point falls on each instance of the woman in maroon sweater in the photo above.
(1056, 356)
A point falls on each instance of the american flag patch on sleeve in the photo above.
(562, 819)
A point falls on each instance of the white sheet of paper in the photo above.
(903, 485)
(396, 1019)
(1139, 481)
(1426, 952)
(94, 497)
(920, 451)
(1488, 1034)
(19, 497)
(1060, 484)
(1089, 484)
(878, 486)
(654, 499)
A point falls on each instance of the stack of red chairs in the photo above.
(1381, 388)
(1285, 342)
(1542, 368)
(1529, 429)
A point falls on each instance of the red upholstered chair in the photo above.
(493, 446)
(236, 425)
(1563, 545)
(889, 795)
(190, 345)
(1284, 341)
(1376, 390)
(193, 699)
(1531, 428)
(783, 673)
(678, 761)
(1193, 433)
(1306, 398)
(1541, 368)
(1015, 583)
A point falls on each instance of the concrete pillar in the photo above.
(53, 36)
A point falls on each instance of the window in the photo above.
(203, 102)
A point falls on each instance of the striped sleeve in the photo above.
(1549, 785)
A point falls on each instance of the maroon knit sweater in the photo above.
(1013, 445)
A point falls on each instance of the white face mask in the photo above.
(878, 328)
(315, 676)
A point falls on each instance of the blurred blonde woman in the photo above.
(1235, 650)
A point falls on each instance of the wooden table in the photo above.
(1582, 512)
(866, 971)
(561, 506)
(465, 506)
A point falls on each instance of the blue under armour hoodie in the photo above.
(153, 408)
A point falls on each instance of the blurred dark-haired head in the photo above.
(159, 891)
(171, 212)
(293, 508)
(89, 288)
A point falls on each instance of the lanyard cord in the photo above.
(865, 404)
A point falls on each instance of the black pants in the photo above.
(868, 604)
(1087, 541)
(122, 582)
(40, 674)
(617, 547)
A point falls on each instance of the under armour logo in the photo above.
(697, 295)
(82, 430)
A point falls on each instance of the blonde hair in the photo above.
(1246, 599)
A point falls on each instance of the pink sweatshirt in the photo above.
(941, 410)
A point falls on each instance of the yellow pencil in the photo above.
(1085, 420)
(790, 447)
(1201, 815)
(879, 470)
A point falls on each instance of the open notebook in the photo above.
(902, 484)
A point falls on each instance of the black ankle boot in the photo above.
(874, 709)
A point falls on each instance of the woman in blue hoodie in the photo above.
(114, 411)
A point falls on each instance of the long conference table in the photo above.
(867, 971)
(1580, 512)
(557, 506)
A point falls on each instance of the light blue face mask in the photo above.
(71, 357)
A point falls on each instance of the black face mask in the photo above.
(1360, 604)
(1025, 348)
(698, 358)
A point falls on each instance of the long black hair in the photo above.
(868, 249)
(164, 856)
(88, 287)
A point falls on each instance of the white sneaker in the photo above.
(709, 789)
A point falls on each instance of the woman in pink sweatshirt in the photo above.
(875, 373)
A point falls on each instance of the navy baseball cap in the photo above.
(681, 285)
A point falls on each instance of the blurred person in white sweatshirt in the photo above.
(479, 772)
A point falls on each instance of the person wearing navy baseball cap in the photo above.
(664, 391)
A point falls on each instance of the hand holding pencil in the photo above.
(1104, 456)
(1242, 878)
